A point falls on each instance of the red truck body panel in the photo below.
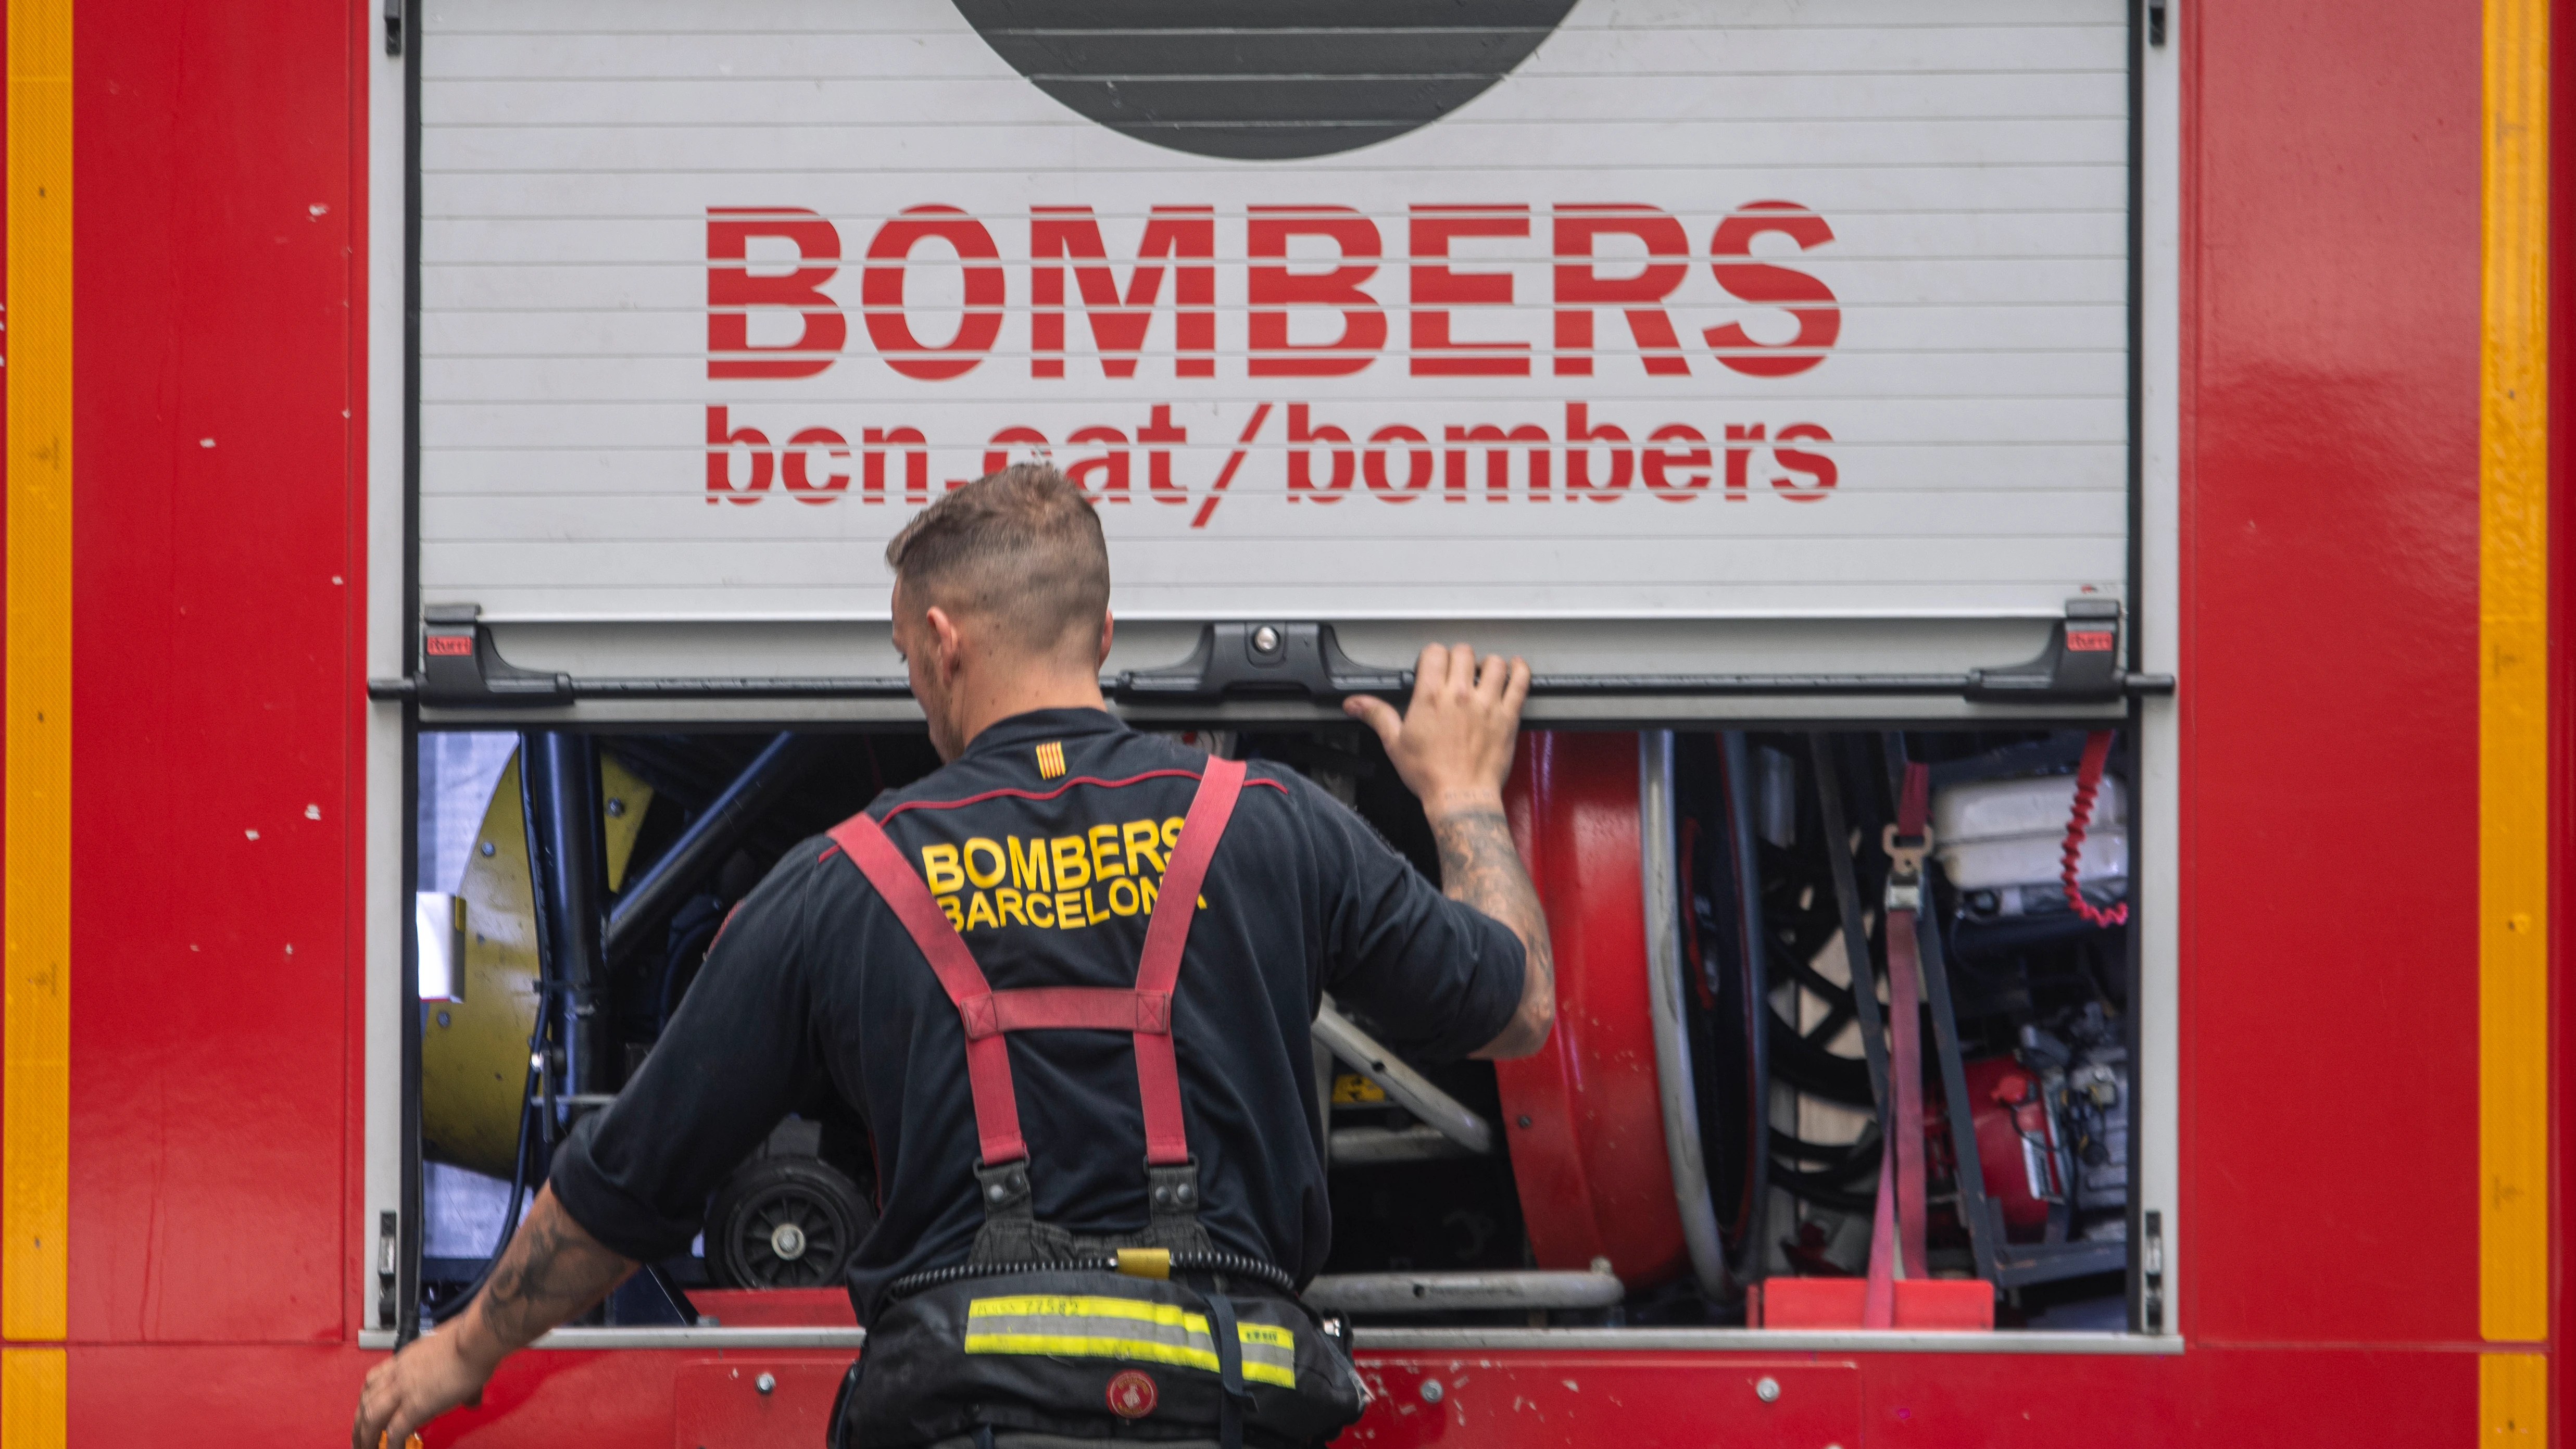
(2329, 612)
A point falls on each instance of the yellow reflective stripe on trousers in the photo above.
(1269, 1354)
(1096, 1326)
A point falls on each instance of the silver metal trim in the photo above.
(1410, 1089)
(1452, 1340)
(719, 1338)
(385, 894)
(2157, 885)
(1603, 712)
(1455, 1292)
(1754, 1340)
(1673, 1079)
(1364, 1146)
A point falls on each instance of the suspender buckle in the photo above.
(1171, 1196)
(1004, 1186)
(1905, 855)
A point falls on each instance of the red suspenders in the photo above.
(1145, 1010)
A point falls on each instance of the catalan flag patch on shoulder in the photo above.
(1051, 759)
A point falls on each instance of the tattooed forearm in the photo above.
(1480, 867)
(553, 1271)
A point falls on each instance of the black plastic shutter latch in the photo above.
(2081, 662)
(459, 665)
(1253, 659)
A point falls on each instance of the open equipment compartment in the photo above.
(571, 884)
(1771, 492)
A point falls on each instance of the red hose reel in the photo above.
(1585, 1113)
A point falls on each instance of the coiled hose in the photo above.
(2088, 783)
(1234, 1264)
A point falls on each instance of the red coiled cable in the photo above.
(2088, 782)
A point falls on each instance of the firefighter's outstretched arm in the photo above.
(552, 1271)
(1453, 748)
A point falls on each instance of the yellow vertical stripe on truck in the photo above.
(2513, 698)
(31, 1398)
(36, 915)
(2513, 1398)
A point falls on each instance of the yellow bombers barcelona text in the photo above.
(1058, 882)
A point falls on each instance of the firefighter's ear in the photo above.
(940, 633)
(1108, 627)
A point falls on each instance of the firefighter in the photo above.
(1067, 980)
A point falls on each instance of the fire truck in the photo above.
(2031, 519)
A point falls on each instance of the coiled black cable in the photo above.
(1234, 1264)
(518, 1191)
(536, 1097)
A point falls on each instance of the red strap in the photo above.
(1099, 1008)
(1145, 1010)
(988, 1060)
(1914, 802)
(1905, 1054)
(1878, 1295)
(1905, 1085)
(1158, 1073)
(1900, 1167)
(1901, 1212)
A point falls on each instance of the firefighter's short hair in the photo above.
(1021, 547)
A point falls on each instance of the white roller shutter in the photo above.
(1723, 336)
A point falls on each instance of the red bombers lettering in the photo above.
(1600, 454)
(1578, 230)
(734, 292)
(1434, 280)
(1059, 233)
(1820, 321)
(882, 291)
(1315, 284)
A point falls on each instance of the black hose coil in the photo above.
(1235, 1264)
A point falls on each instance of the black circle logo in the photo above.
(1264, 80)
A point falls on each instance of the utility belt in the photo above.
(1154, 1337)
(1095, 1354)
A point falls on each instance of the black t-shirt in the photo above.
(815, 983)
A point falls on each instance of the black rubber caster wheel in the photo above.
(785, 1222)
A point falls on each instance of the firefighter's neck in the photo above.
(993, 688)
(967, 680)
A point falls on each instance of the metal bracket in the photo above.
(1364, 1146)
(1905, 855)
(459, 665)
(393, 27)
(1411, 1090)
(647, 903)
(2152, 1269)
(1243, 658)
(2081, 663)
(1508, 1291)
(388, 1226)
(1855, 938)
(1984, 1224)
